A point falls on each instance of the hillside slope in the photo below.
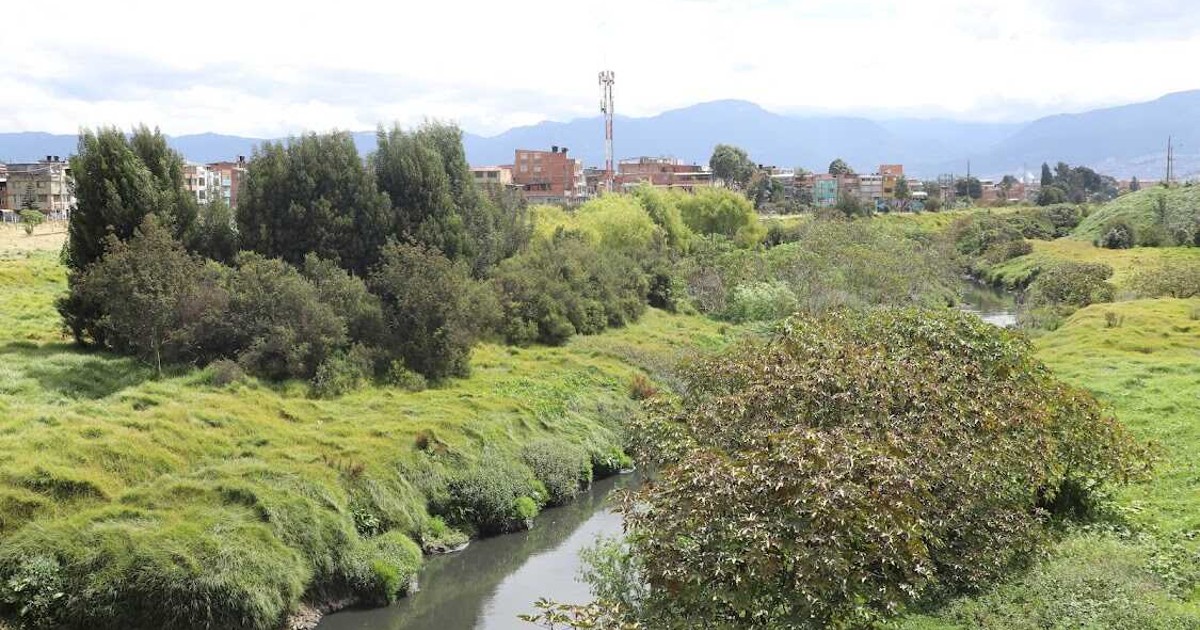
(1140, 210)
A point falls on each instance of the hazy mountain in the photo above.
(1122, 141)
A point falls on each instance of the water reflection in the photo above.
(487, 585)
(992, 305)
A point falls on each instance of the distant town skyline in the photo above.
(271, 68)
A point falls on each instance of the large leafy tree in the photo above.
(313, 194)
(731, 165)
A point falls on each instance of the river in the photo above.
(992, 305)
(486, 586)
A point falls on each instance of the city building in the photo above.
(824, 190)
(891, 174)
(661, 172)
(3, 187)
(43, 184)
(197, 179)
(225, 178)
(549, 176)
(492, 175)
(870, 187)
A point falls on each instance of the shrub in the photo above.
(348, 296)
(438, 537)
(610, 462)
(1118, 234)
(721, 211)
(761, 301)
(400, 376)
(562, 286)
(225, 372)
(561, 467)
(36, 590)
(1177, 279)
(431, 309)
(276, 322)
(642, 388)
(1112, 320)
(845, 472)
(343, 373)
(1071, 284)
(30, 219)
(488, 498)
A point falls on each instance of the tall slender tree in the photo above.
(1047, 176)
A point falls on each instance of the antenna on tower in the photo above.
(606, 107)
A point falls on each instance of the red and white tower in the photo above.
(606, 107)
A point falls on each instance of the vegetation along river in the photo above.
(486, 586)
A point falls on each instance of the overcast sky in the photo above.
(266, 68)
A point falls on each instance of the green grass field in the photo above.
(140, 492)
(1141, 567)
(1019, 271)
(1140, 210)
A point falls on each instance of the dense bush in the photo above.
(1177, 279)
(563, 285)
(856, 464)
(564, 469)
(383, 568)
(433, 311)
(343, 372)
(276, 323)
(1118, 234)
(761, 301)
(721, 211)
(1071, 284)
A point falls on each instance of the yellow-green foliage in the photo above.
(1140, 209)
(615, 222)
(1143, 570)
(1019, 271)
(177, 503)
(721, 211)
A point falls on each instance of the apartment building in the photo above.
(225, 178)
(3, 187)
(45, 185)
(549, 176)
(197, 179)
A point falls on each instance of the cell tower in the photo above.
(606, 107)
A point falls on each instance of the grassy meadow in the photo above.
(248, 497)
(1017, 272)
(1140, 210)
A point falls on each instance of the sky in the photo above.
(263, 68)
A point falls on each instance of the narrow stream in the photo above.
(992, 305)
(486, 586)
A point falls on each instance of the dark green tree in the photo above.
(731, 165)
(118, 181)
(313, 194)
(1047, 176)
(431, 309)
(840, 167)
(1134, 184)
(968, 187)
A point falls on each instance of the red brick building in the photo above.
(226, 179)
(661, 172)
(549, 176)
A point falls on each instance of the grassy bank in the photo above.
(1141, 211)
(127, 501)
(1018, 272)
(1141, 567)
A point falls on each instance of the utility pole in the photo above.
(606, 107)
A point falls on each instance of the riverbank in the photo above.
(252, 497)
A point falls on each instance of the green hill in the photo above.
(1140, 210)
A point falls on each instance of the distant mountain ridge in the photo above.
(1122, 141)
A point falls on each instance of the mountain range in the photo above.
(1121, 141)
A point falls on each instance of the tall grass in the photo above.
(179, 503)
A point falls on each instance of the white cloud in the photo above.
(267, 68)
